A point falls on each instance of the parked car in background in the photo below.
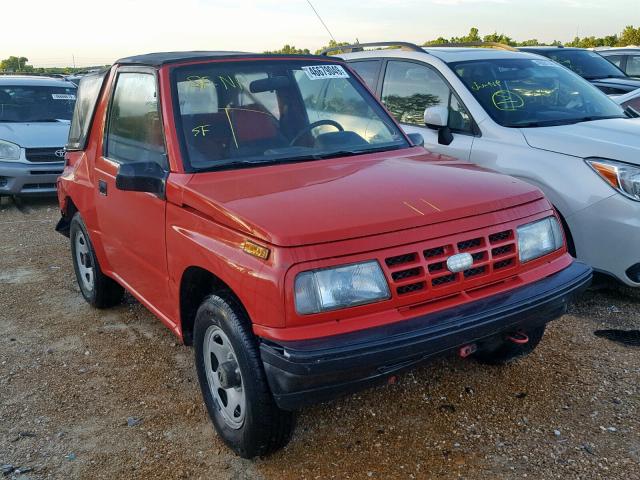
(35, 114)
(626, 59)
(272, 214)
(630, 101)
(591, 66)
(526, 116)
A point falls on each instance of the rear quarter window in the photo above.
(87, 98)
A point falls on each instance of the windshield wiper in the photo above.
(555, 123)
(240, 163)
(597, 77)
(40, 120)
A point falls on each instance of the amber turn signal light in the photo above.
(255, 249)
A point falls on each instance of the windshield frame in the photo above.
(371, 99)
(534, 123)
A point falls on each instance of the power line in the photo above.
(321, 21)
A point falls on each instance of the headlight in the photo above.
(9, 151)
(340, 287)
(623, 177)
(539, 238)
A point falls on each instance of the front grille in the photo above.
(43, 155)
(45, 172)
(404, 274)
(412, 287)
(34, 187)
(400, 259)
(417, 272)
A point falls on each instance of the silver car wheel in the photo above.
(223, 377)
(83, 260)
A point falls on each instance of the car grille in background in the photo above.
(426, 270)
(43, 154)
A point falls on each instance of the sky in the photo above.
(92, 32)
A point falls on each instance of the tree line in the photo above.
(629, 36)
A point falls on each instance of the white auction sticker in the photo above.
(63, 96)
(321, 72)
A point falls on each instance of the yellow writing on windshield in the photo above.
(200, 130)
(198, 82)
(507, 100)
(475, 86)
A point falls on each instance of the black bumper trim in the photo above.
(305, 372)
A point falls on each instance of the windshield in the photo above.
(585, 63)
(527, 92)
(24, 103)
(274, 111)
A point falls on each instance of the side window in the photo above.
(408, 89)
(135, 132)
(615, 59)
(633, 66)
(368, 71)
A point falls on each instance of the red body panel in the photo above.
(315, 214)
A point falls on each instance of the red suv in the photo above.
(273, 215)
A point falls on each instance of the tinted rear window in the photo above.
(88, 92)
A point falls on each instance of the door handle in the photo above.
(102, 187)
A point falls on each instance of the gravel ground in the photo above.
(112, 394)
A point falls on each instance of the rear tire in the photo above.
(97, 289)
(233, 382)
(508, 351)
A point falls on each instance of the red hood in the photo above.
(338, 199)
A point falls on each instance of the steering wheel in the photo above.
(313, 125)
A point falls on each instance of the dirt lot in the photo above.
(111, 394)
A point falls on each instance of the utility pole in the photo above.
(74, 60)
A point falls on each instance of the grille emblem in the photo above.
(459, 262)
(59, 153)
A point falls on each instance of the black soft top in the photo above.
(163, 58)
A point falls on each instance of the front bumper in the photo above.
(606, 236)
(29, 178)
(310, 371)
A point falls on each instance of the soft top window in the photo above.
(88, 93)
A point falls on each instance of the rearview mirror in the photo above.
(142, 177)
(436, 116)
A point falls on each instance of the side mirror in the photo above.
(142, 177)
(417, 140)
(436, 116)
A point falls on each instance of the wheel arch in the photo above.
(196, 284)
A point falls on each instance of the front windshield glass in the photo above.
(528, 92)
(272, 111)
(23, 103)
(585, 63)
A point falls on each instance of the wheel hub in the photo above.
(229, 375)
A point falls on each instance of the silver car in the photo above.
(35, 115)
(526, 116)
(626, 59)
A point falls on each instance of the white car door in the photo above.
(408, 88)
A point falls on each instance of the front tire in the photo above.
(233, 382)
(508, 351)
(97, 289)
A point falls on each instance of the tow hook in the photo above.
(519, 338)
(467, 350)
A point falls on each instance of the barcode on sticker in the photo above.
(63, 96)
(321, 72)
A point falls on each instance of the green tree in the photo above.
(333, 44)
(629, 36)
(291, 50)
(15, 64)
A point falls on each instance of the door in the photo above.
(408, 88)
(132, 224)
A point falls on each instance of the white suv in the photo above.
(529, 117)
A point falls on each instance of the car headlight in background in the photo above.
(9, 151)
(623, 177)
(539, 238)
(340, 287)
